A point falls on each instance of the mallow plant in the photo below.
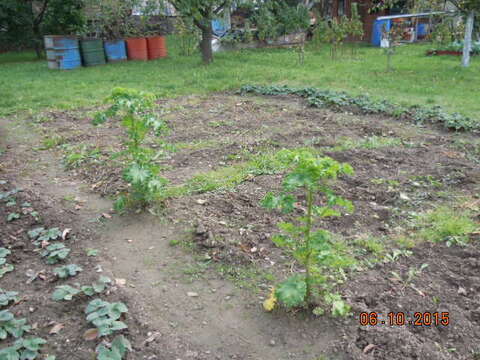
(307, 188)
(135, 110)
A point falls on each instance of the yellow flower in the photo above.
(270, 303)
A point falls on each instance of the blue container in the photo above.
(422, 30)
(115, 50)
(378, 29)
(62, 52)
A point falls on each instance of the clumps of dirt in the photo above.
(387, 184)
(449, 285)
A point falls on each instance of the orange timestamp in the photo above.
(402, 319)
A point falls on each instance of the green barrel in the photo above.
(93, 52)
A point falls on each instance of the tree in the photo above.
(24, 22)
(202, 12)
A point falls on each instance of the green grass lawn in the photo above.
(29, 86)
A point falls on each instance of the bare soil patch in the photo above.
(400, 170)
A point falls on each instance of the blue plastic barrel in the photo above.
(62, 52)
(422, 30)
(378, 29)
(115, 50)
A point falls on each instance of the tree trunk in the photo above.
(467, 44)
(206, 44)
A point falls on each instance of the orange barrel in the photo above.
(137, 49)
(157, 47)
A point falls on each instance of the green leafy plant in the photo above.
(340, 101)
(13, 216)
(55, 253)
(11, 326)
(24, 349)
(119, 347)
(188, 36)
(7, 297)
(311, 247)
(91, 252)
(41, 234)
(135, 109)
(333, 32)
(67, 292)
(97, 287)
(64, 292)
(105, 316)
(4, 267)
(66, 271)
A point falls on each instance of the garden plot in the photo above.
(220, 159)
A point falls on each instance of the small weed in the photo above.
(396, 254)
(371, 244)
(13, 216)
(91, 252)
(413, 272)
(447, 225)
(52, 142)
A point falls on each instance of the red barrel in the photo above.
(157, 47)
(137, 49)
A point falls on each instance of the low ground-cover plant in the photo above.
(7, 297)
(66, 271)
(106, 316)
(446, 225)
(312, 248)
(135, 109)
(4, 266)
(40, 234)
(67, 292)
(24, 349)
(119, 347)
(343, 101)
(55, 253)
(9, 325)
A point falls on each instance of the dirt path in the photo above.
(220, 320)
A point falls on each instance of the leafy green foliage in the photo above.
(136, 111)
(7, 296)
(55, 253)
(4, 267)
(97, 287)
(24, 349)
(341, 100)
(292, 292)
(445, 224)
(105, 316)
(64, 292)
(25, 22)
(13, 216)
(11, 326)
(66, 271)
(41, 234)
(276, 18)
(120, 346)
(311, 247)
(3, 255)
(67, 292)
(339, 307)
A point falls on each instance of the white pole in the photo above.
(467, 44)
